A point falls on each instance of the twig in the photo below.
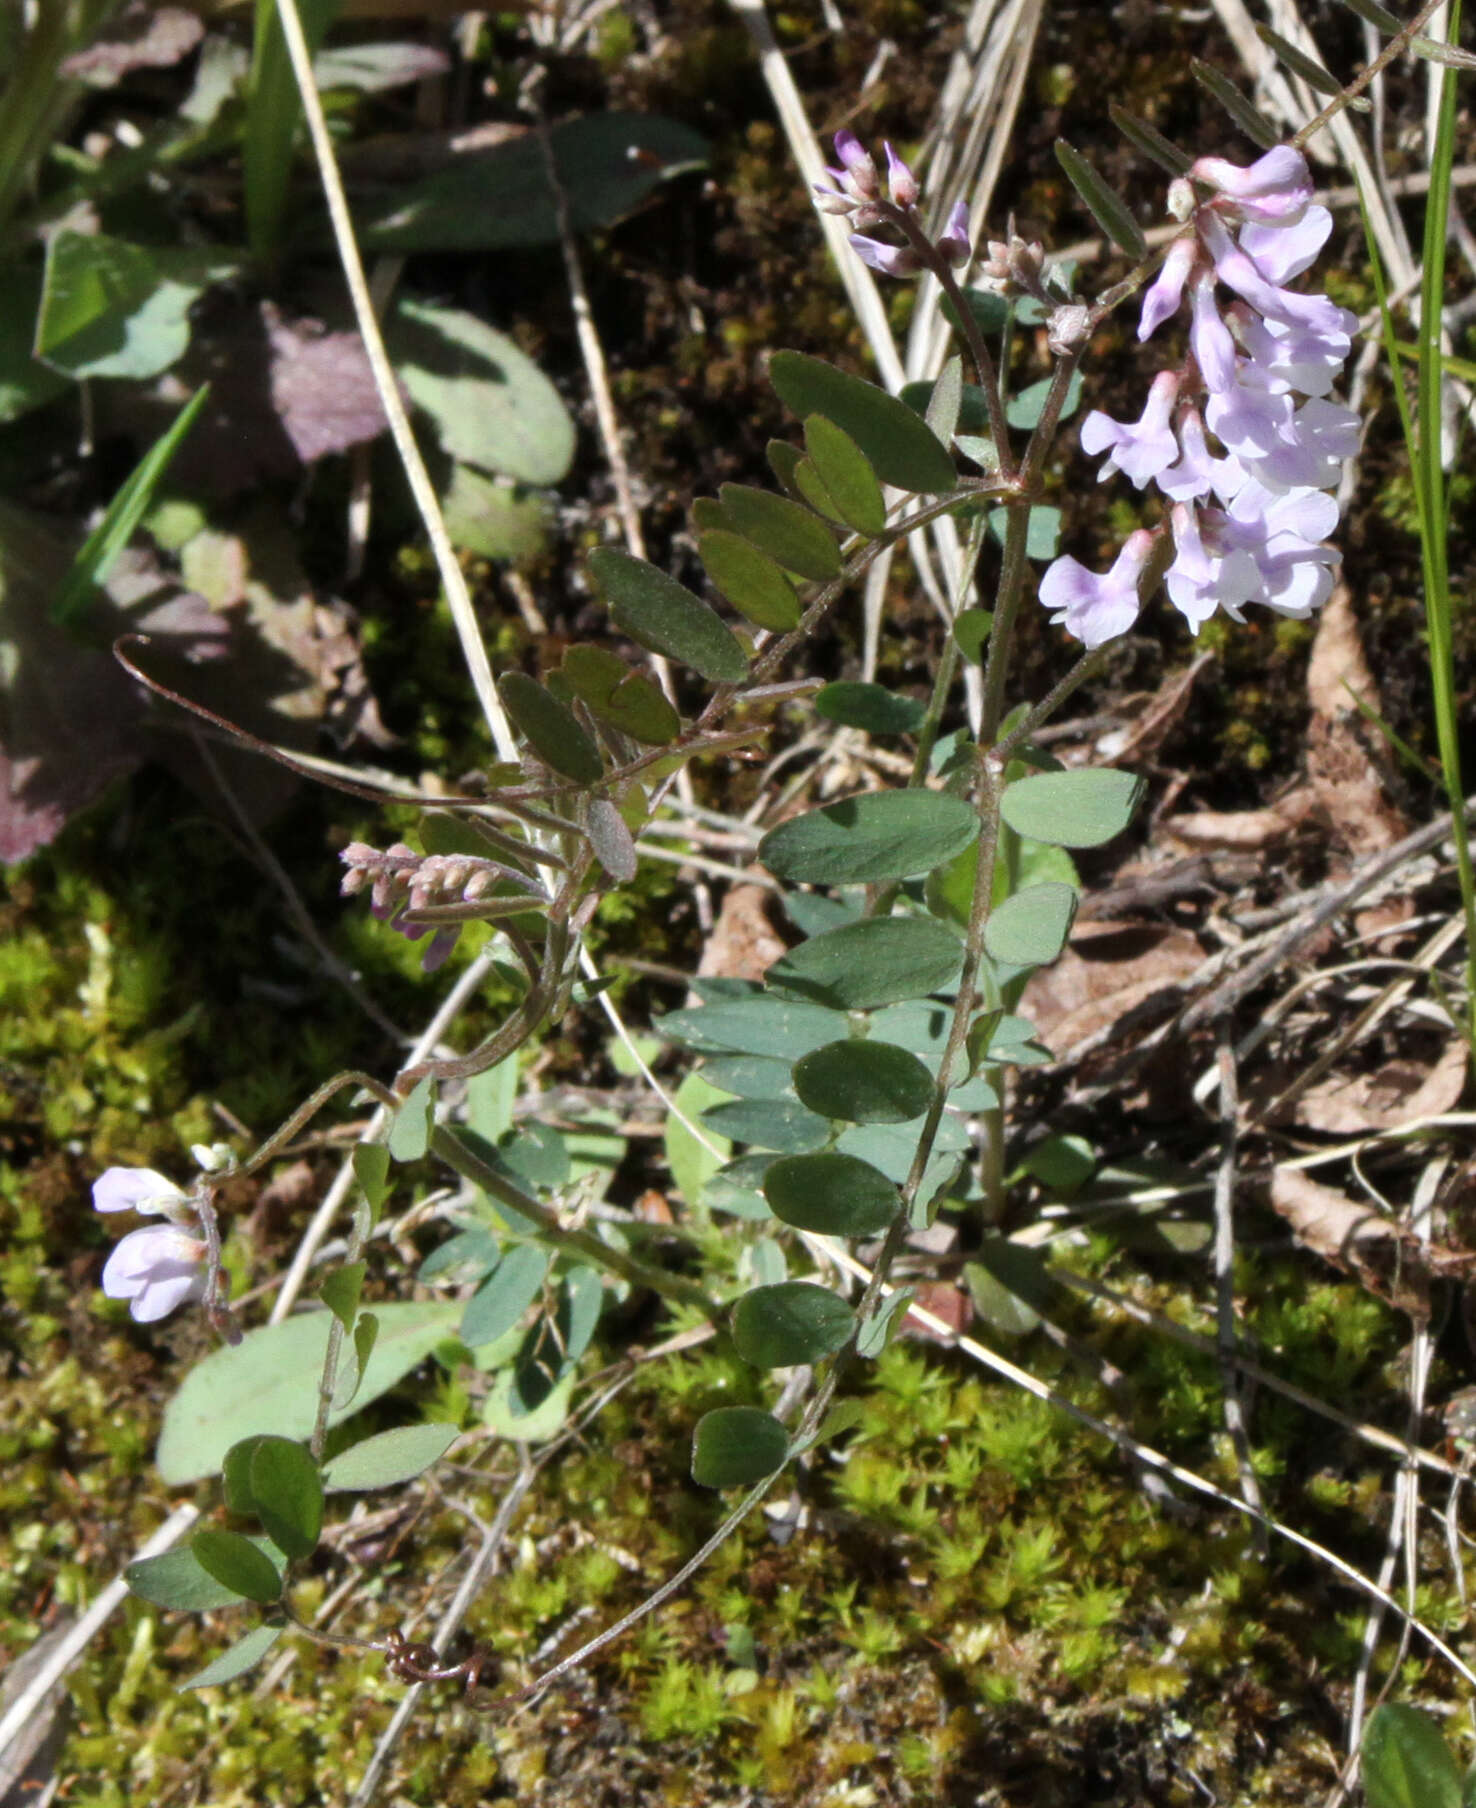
(1224, 1267)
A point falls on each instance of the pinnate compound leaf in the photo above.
(1143, 137)
(881, 960)
(1253, 123)
(752, 582)
(1406, 1761)
(1312, 72)
(505, 1295)
(410, 1133)
(795, 1321)
(869, 706)
(791, 534)
(1072, 809)
(783, 1125)
(864, 1082)
(389, 1458)
(838, 1195)
(662, 615)
(287, 1495)
(1030, 928)
(619, 697)
(754, 1026)
(846, 472)
(244, 1655)
(1105, 205)
(737, 1446)
(237, 1564)
(551, 729)
(268, 1383)
(903, 449)
(877, 836)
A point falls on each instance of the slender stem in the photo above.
(1396, 46)
(1006, 608)
(1086, 667)
(927, 735)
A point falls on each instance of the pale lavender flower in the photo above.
(1166, 291)
(1198, 471)
(1262, 549)
(1288, 357)
(1313, 448)
(901, 183)
(1249, 422)
(1097, 608)
(1143, 448)
(156, 1269)
(860, 171)
(1239, 271)
(135, 1190)
(1275, 190)
(1209, 337)
(890, 260)
(954, 240)
(1282, 252)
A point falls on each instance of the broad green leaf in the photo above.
(235, 1476)
(812, 490)
(366, 1336)
(878, 961)
(492, 406)
(25, 382)
(1105, 205)
(494, 519)
(1042, 536)
(471, 1254)
(244, 1655)
(287, 1495)
(734, 1189)
(177, 1580)
(340, 1292)
(691, 1162)
(737, 1446)
(752, 582)
(500, 198)
(877, 1331)
(1026, 408)
(903, 450)
(1072, 809)
(410, 1132)
(791, 534)
(796, 1321)
(237, 1564)
(389, 1458)
(890, 1149)
(709, 513)
(869, 706)
(784, 460)
(502, 1411)
(122, 516)
(659, 613)
(1009, 1285)
(551, 729)
(268, 1383)
(1406, 1761)
(864, 1082)
(1063, 1163)
(504, 1296)
(1030, 928)
(580, 1304)
(839, 1195)
(108, 309)
(1254, 124)
(999, 1039)
(879, 835)
(847, 475)
(1146, 139)
(619, 697)
(978, 449)
(784, 1125)
(990, 309)
(754, 1026)
(750, 1076)
(812, 913)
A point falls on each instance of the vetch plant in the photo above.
(865, 1081)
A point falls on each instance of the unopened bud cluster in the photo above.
(1249, 521)
(855, 192)
(402, 882)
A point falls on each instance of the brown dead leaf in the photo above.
(1355, 1239)
(744, 944)
(1343, 761)
(322, 387)
(952, 1304)
(141, 37)
(1243, 830)
(1108, 970)
(1397, 1093)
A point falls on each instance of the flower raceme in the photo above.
(162, 1266)
(855, 192)
(1249, 525)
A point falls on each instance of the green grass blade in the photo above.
(273, 114)
(123, 515)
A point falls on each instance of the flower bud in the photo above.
(954, 240)
(860, 170)
(901, 181)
